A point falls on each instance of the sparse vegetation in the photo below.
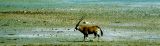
(104, 18)
(51, 24)
(68, 18)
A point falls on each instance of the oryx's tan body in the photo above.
(89, 29)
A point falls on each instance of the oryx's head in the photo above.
(76, 28)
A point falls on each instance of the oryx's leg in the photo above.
(98, 34)
(85, 33)
(95, 35)
(85, 36)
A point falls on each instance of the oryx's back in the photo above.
(89, 28)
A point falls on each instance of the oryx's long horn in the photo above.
(78, 23)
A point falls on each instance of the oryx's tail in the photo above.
(100, 30)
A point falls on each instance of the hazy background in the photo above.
(50, 4)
